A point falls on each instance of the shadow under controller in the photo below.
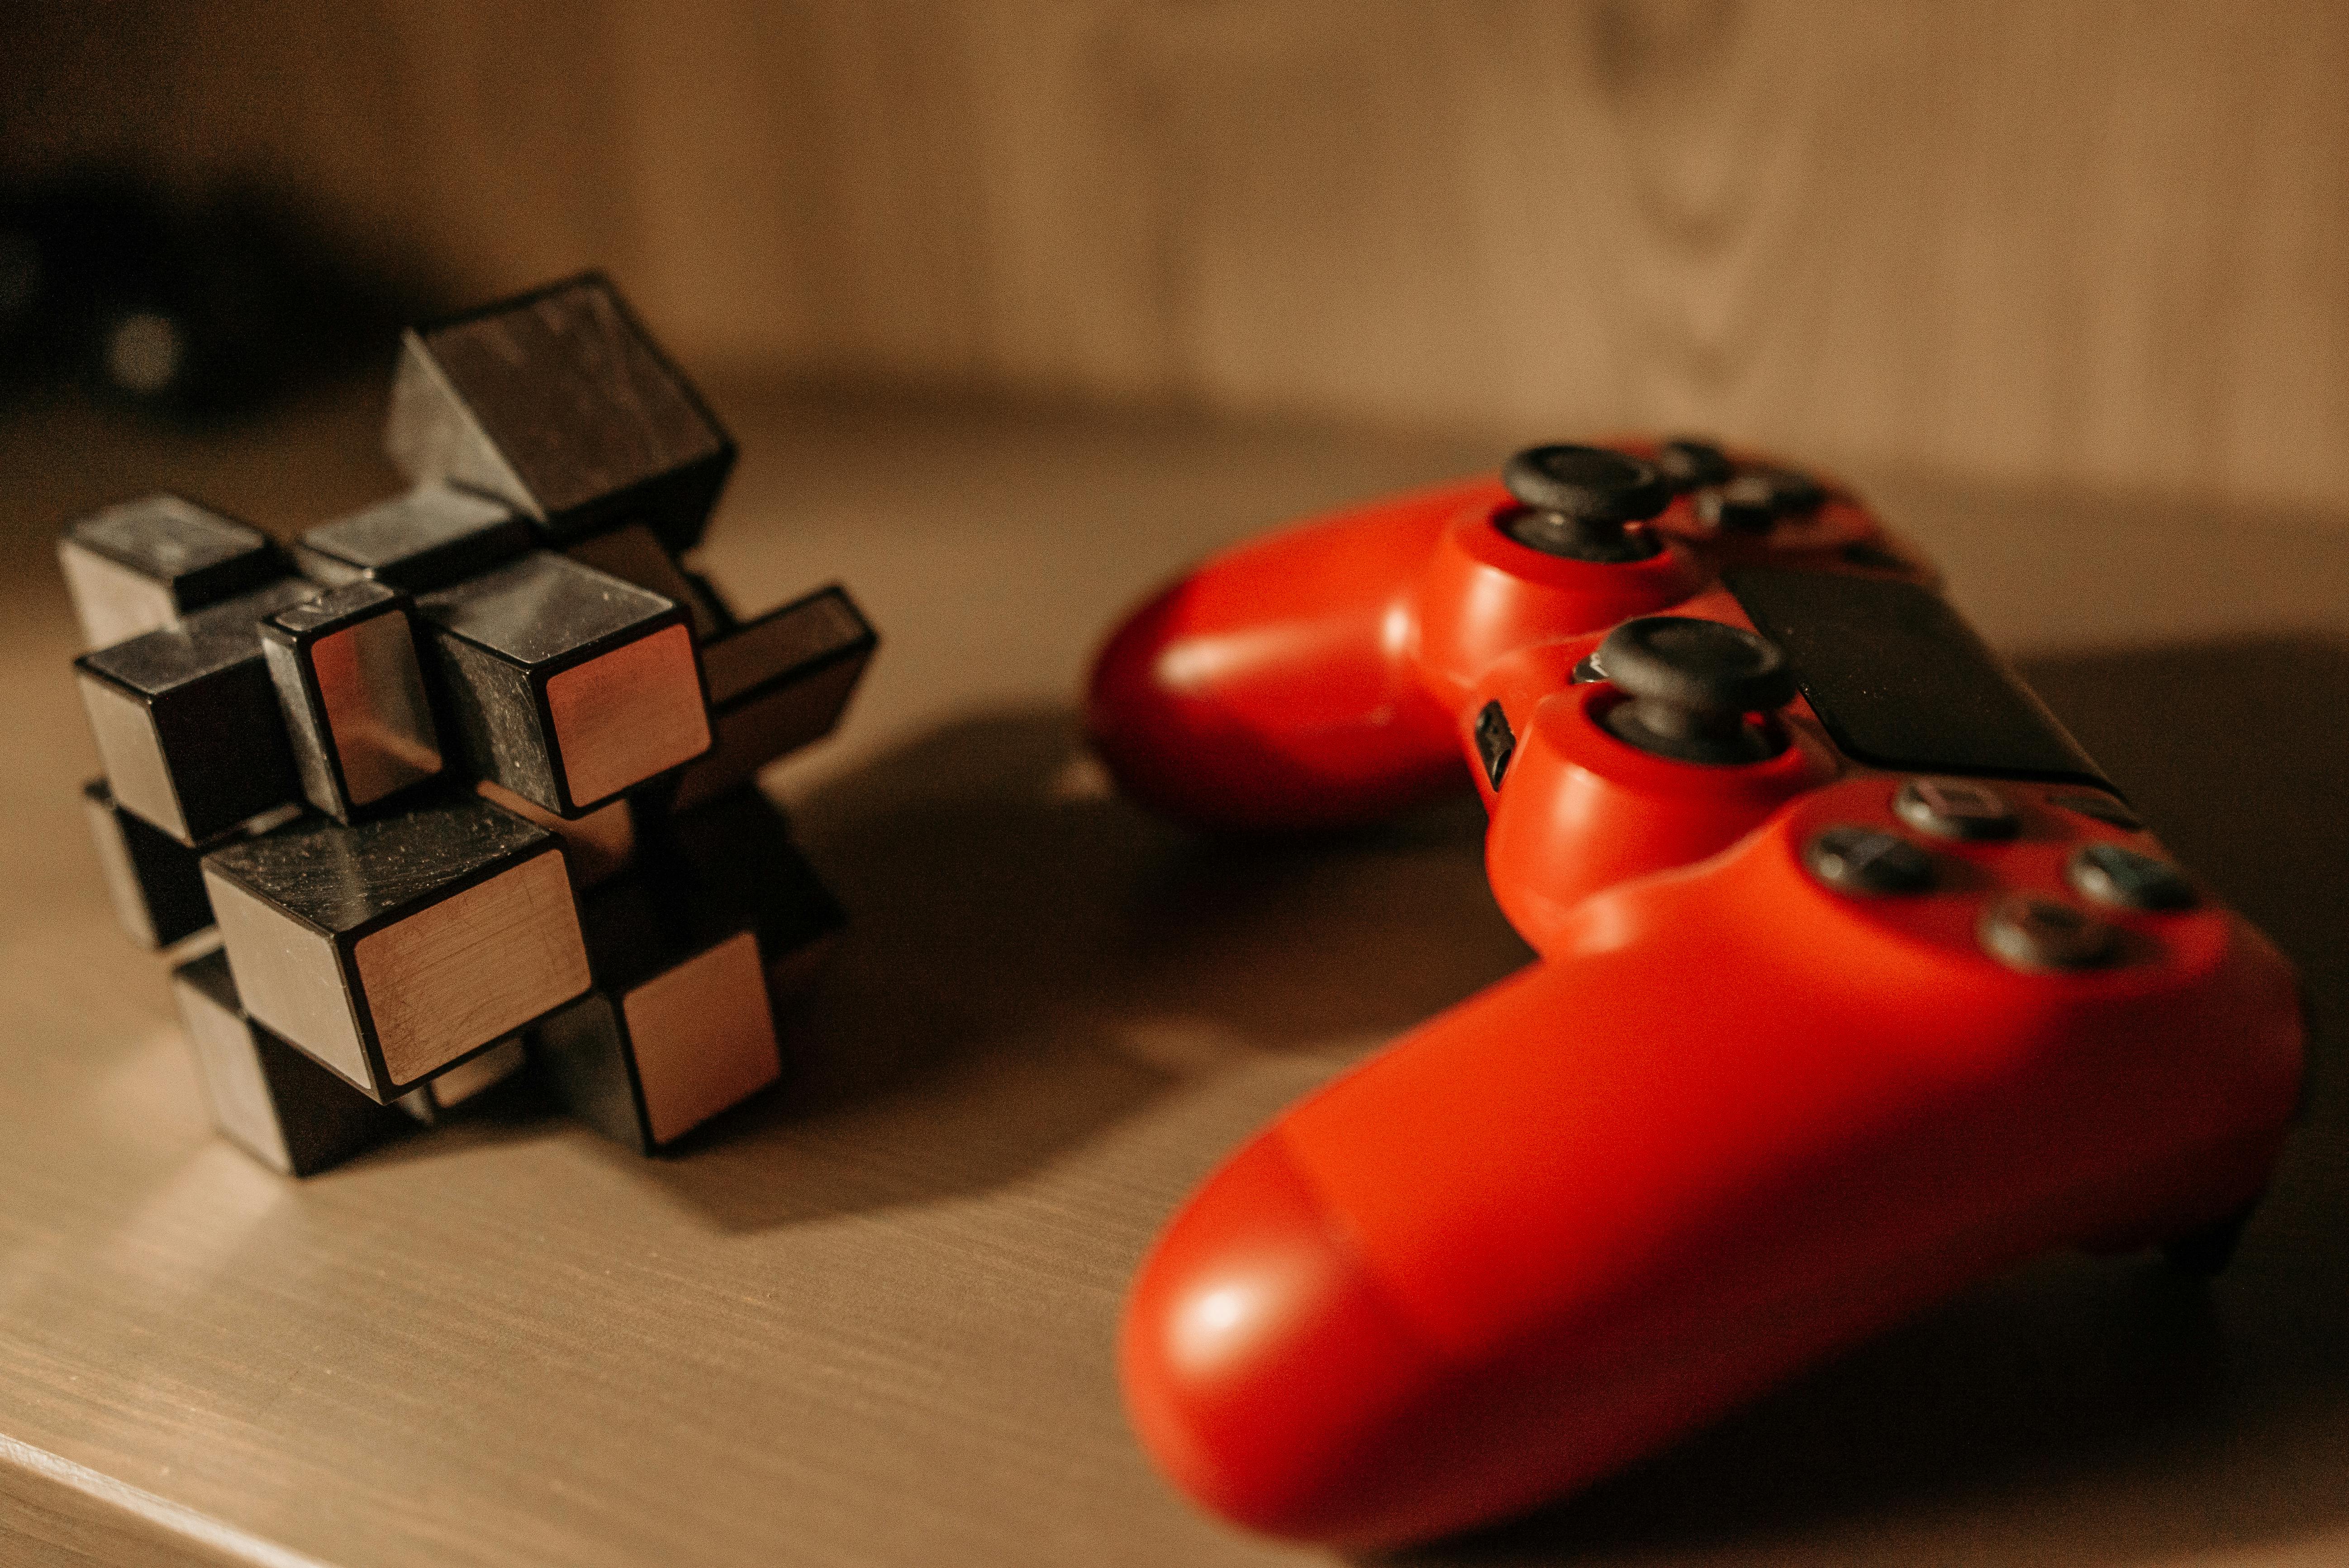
(466, 780)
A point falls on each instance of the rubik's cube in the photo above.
(466, 781)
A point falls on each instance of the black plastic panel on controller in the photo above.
(1902, 682)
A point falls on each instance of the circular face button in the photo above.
(2102, 808)
(2122, 877)
(1849, 858)
(1755, 500)
(1955, 809)
(1691, 464)
(2026, 933)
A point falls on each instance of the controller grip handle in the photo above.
(1274, 688)
(1595, 1205)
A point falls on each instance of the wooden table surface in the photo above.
(868, 1320)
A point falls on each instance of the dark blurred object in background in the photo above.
(188, 308)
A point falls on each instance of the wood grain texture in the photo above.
(2094, 242)
(867, 1321)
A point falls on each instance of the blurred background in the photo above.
(2083, 243)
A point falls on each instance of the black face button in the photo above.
(2128, 880)
(1692, 682)
(1754, 500)
(2026, 933)
(1874, 557)
(1496, 742)
(1691, 464)
(2102, 808)
(1577, 499)
(1955, 809)
(1849, 858)
(1586, 669)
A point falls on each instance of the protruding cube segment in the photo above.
(776, 684)
(391, 950)
(433, 535)
(267, 1098)
(437, 1100)
(156, 884)
(675, 1034)
(140, 566)
(597, 846)
(344, 666)
(559, 404)
(566, 686)
(636, 554)
(736, 856)
(187, 722)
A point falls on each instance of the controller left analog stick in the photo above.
(1575, 502)
(1691, 685)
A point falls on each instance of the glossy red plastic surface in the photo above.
(1275, 686)
(1732, 1120)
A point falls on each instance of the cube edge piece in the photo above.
(257, 561)
(318, 746)
(470, 668)
(152, 912)
(350, 1043)
(315, 1120)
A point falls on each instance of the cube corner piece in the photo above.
(560, 404)
(392, 950)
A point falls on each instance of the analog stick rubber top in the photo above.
(1576, 501)
(1692, 682)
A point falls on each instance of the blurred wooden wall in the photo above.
(2022, 239)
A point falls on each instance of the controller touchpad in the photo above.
(1902, 682)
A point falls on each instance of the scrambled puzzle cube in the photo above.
(472, 791)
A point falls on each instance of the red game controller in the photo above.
(1858, 984)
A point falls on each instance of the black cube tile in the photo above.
(717, 919)
(352, 692)
(267, 1098)
(391, 950)
(141, 565)
(187, 722)
(559, 404)
(433, 535)
(737, 857)
(678, 1028)
(634, 553)
(776, 684)
(564, 683)
(155, 883)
